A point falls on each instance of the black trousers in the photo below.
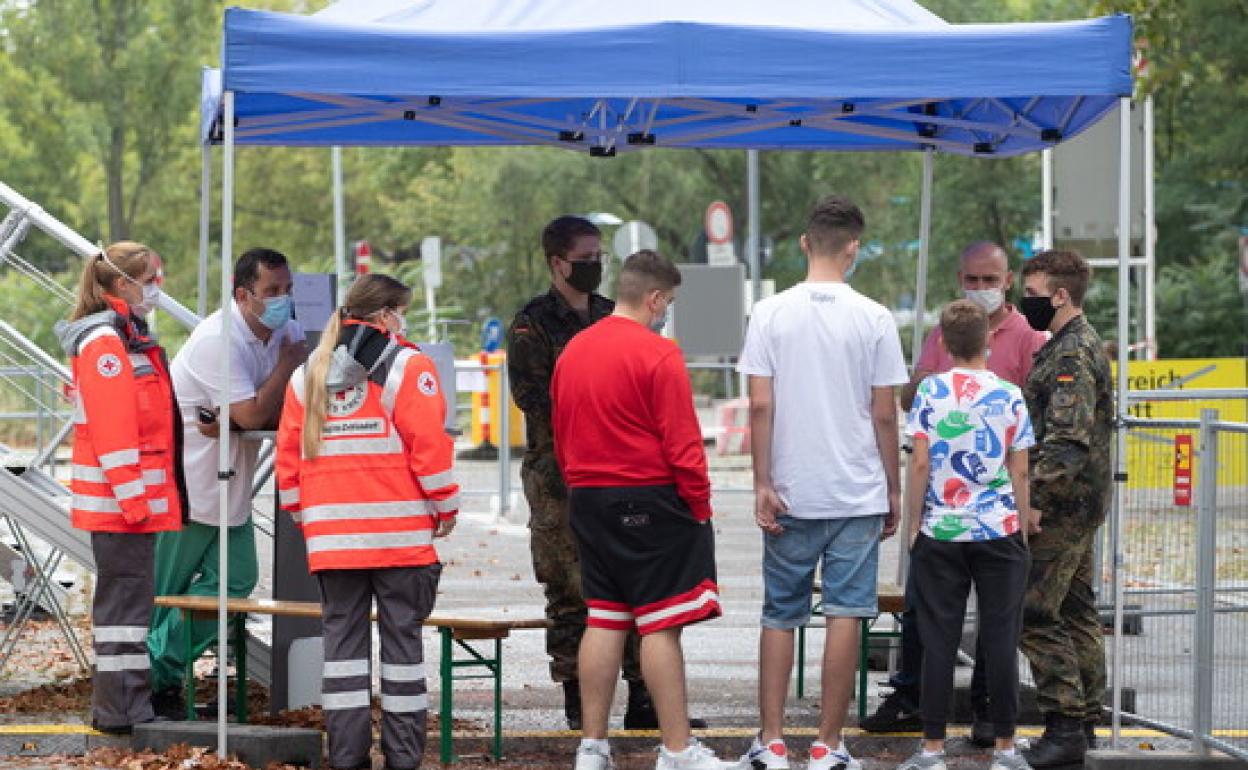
(943, 574)
(907, 680)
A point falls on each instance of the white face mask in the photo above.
(151, 294)
(402, 331)
(988, 299)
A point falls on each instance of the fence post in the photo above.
(504, 440)
(1206, 579)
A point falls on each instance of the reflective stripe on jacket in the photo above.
(124, 479)
(382, 478)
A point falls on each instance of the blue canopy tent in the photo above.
(811, 75)
(605, 77)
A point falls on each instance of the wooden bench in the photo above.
(891, 600)
(455, 632)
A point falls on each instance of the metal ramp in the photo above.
(34, 506)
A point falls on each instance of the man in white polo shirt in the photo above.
(266, 346)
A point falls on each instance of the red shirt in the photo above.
(1011, 348)
(623, 413)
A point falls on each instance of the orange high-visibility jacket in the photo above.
(124, 476)
(382, 479)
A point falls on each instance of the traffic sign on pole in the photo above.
(719, 246)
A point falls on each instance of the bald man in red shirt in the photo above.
(630, 448)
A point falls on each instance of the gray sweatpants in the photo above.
(120, 614)
(405, 597)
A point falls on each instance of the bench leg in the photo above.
(864, 647)
(240, 667)
(188, 676)
(446, 669)
(498, 699)
(801, 661)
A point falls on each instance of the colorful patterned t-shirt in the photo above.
(971, 419)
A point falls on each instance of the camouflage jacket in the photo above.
(538, 334)
(1070, 397)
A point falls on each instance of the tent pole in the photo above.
(223, 456)
(1120, 474)
(752, 228)
(1046, 199)
(1150, 236)
(340, 226)
(205, 216)
(916, 338)
(925, 237)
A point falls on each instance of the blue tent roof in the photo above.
(607, 76)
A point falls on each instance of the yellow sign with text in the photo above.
(1151, 452)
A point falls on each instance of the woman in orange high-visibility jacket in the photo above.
(127, 473)
(364, 467)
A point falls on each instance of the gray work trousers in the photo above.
(405, 597)
(120, 613)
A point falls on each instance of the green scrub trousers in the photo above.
(186, 564)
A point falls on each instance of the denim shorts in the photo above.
(848, 550)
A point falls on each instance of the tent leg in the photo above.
(1120, 475)
(753, 225)
(205, 215)
(223, 457)
(1046, 199)
(925, 239)
(916, 337)
(340, 226)
(1150, 236)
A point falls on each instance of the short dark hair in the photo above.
(964, 328)
(642, 273)
(557, 237)
(834, 222)
(247, 268)
(1062, 270)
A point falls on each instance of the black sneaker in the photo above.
(640, 714)
(897, 714)
(983, 734)
(114, 729)
(169, 704)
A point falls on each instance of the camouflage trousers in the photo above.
(558, 568)
(1062, 635)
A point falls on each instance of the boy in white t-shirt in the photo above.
(970, 515)
(822, 362)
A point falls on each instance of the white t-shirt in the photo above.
(196, 372)
(825, 346)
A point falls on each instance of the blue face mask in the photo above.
(276, 312)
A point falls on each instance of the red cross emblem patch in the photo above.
(108, 365)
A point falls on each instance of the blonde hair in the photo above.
(369, 295)
(122, 258)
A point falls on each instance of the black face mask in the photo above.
(586, 276)
(1038, 311)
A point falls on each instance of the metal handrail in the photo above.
(29, 211)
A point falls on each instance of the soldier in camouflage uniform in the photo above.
(1069, 395)
(535, 339)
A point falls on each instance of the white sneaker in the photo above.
(773, 755)
(695, 757)
(593, 756)
(822, 757)
(918, 761)
(1003, 761)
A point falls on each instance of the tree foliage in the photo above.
(99, 124)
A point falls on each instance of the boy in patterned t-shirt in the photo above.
(968, 515)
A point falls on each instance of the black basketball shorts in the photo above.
(645, 561)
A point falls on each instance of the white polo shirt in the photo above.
(197, 379)
(825, 346)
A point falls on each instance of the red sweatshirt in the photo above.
(623, 413)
